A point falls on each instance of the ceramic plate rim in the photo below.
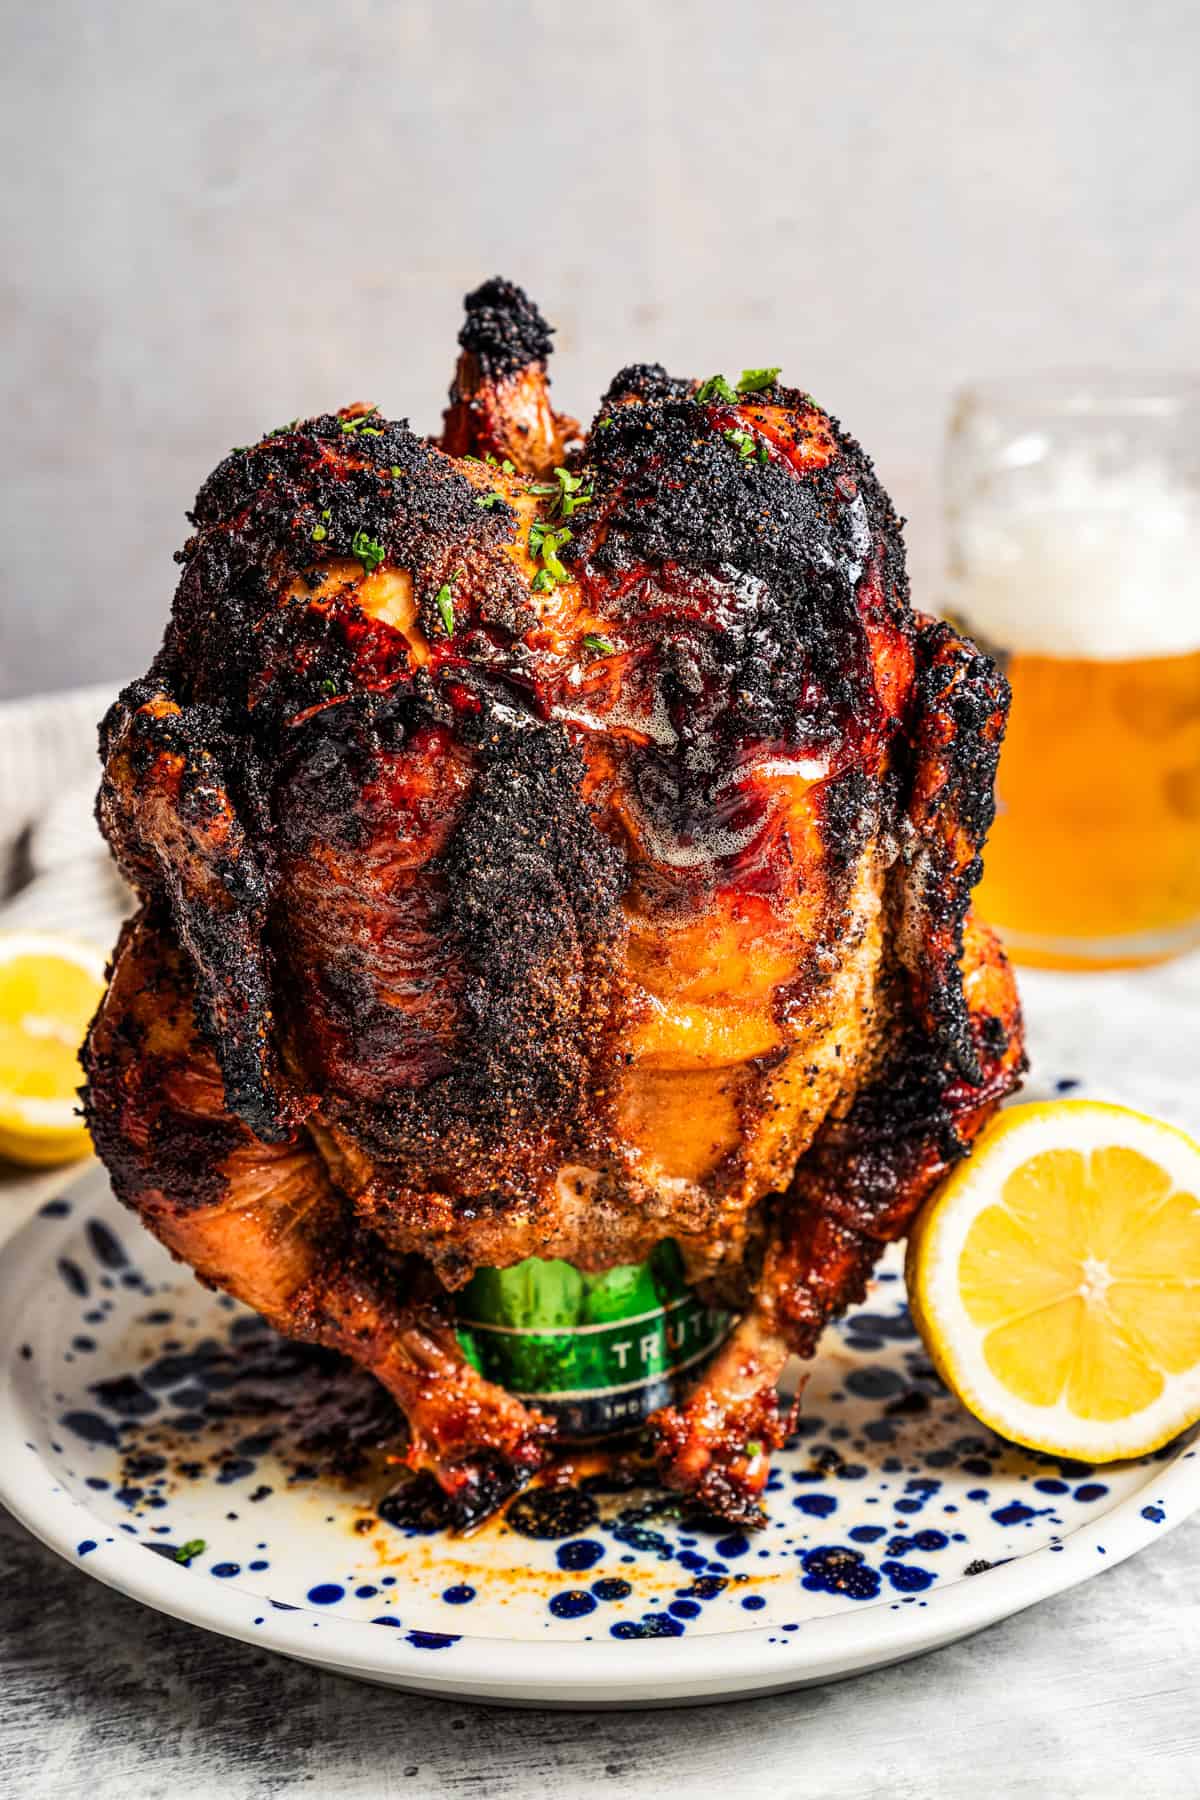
(755, 1658)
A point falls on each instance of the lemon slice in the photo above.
(49, 989)
(1055, 1280)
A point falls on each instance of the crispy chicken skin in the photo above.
(548, 847)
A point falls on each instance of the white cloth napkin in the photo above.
(56, 873)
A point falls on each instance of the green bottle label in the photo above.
(598, 1352)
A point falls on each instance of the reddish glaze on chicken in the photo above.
(547, 846)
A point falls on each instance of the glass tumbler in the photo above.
(1073, 513)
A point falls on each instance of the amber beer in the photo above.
(1094, 859)
(1073, 507)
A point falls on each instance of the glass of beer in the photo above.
(1073, 508)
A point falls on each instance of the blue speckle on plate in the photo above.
(572, 1603)
(106, 1245)
(91, 1428)
(579, 1554)
(73, 1276)
(836, 1569)
(612, 1587)
(685, 1609)
(908, 1578)
(652, 1625)
(736, 1545)
(326, 1593)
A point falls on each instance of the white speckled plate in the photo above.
(151, 1433)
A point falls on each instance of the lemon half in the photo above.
(49, 989)
(1055, 1280)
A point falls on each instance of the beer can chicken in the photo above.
(548, 844)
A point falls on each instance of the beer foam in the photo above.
(1081, 563)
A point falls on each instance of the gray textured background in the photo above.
(218, 215)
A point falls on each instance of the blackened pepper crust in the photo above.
(797, 518)
(351, 485)
(642, 381)
(527, 910)
(503, 329)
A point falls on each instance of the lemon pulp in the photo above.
(49, 989)
(1056, 1279)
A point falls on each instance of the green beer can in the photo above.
(598, 1353)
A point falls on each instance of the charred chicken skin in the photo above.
(549, 846)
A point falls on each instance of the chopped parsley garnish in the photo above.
(602, 646)
(360, 423)
(744, 442)
(604, 423)
(542, 582)
(369, 551)
(753, 1449)
(753, 381)
(506, 465)
(282, 430)
(328, 686)
(764, 455)
(319, 532)
(567, 490)
(572, 492)
(715, 388)
(193, 1547)
(546, 543)
(395, 471)
(444, 602)
(487, 501)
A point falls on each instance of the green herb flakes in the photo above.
(715, 388)
(753, 381)
(369, 551)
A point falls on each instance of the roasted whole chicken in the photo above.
(550, 844)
